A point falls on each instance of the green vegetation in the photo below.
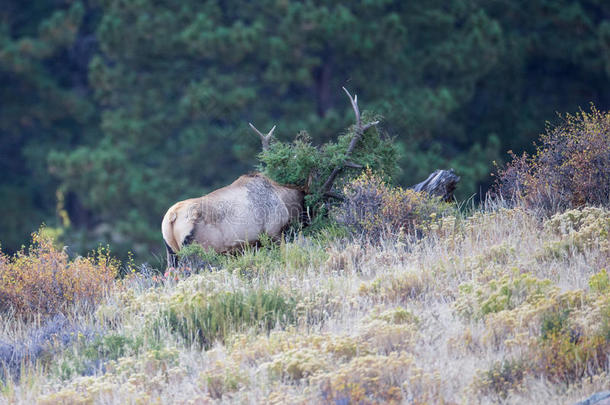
(334, 316)
(91, 356)
(111, 112)
(206, 319)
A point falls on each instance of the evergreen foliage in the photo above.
(302, 164)
(112, 110)
(43, 105)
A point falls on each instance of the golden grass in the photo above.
(501, 306)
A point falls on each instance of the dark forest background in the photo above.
(111, 110)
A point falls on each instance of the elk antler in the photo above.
(265, 139)
(358, 132)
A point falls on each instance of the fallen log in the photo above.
(440, 183)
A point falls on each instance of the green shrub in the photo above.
(600, 282)
(222, 379)
(501, 378)
(566, 357)
(133, 379)
(378, 379)
(506, 293)
(264, 260)
(254, 262)
(112, 347)
(204, 318)
(88, 356)
(399, 286)
(302, 164)
(194, 257)
(579, 230)
(605, 324)
(554, 322)
(291, 163)
(298, 363)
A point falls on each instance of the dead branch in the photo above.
(358, 132)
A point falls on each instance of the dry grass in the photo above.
(466, 315)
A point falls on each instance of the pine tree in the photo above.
(43, 105)
(178, 82)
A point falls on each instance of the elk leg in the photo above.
(172, 259)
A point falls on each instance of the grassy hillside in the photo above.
(499, 306)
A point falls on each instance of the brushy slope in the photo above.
(500, 306)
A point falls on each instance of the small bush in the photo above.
(387, 337)
(574, 343)
(397, 316)
(91, 354)
(565, 357)
(223, 378)
(397, 287)
(297, 364)
(554, 322)
(132, 379)
(564, 336)
(291, 163)
(582, 229)
(53, 336)
(506, 293)
(376, 379)
(600, 282)
(45, 281)
(194, 256)
(205, 318)
(111, 347)
(373, 208)
(262, 261)
(502, 378)
(569, 169)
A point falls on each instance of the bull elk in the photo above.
(236, 215)
(231, 216)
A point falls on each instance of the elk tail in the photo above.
(167, 229)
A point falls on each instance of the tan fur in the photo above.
(232, 216)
